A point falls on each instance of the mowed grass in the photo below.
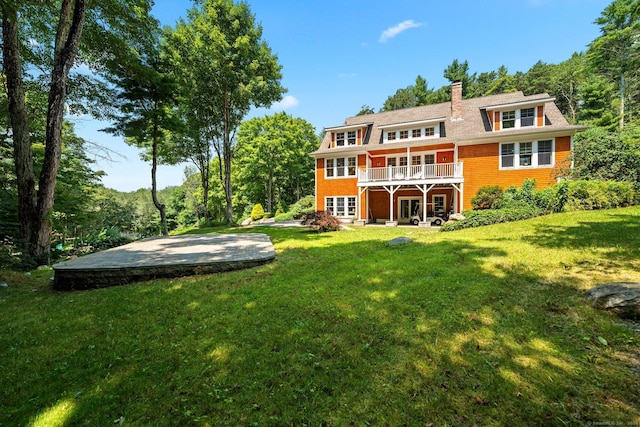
(479, 327)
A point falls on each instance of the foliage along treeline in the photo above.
(181, 94)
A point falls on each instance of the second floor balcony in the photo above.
(416, 174)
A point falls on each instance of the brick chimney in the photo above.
(456, 100)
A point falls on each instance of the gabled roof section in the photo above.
(473, 125)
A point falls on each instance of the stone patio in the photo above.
(170, 256)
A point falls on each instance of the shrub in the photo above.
(487, 197)
(321, 221)
(589, 195)
(478, 218)
(257, 212)
(298, 210)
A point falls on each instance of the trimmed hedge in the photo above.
(478, 218)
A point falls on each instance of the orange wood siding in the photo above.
(336, 186)
(482, 167)
(496, 120)
(540, 115)
(378, 162)
(387, 151)
(359, 140)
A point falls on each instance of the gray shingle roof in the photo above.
(472, 126)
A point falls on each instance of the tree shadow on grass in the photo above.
(620, 236)
(356, 333)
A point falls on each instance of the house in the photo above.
(429, 160)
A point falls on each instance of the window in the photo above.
(339, 139)
(526, 153)
(351, 206)
(328, 205)
(391, 136)
(351, 137)
(526, 117)
(391, 161)
(544, 152)
(403, 161)
(351, 163)
(508, 119)
(341, 206)
(404, 134)
(340, 167)
(429, 131)
(506, 153)
(329, 168)
(416, 160)
(429, 159)
(416, 133)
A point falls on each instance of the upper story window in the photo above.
(416, 160)
(351, 137)
(508, 119)
(429, 159)
(515, 155)
(413, 133)
(340, 167)
(519, 118)
(527, 116)
(340, 139)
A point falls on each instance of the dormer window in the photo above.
(391, 136)
(430, 131)
(404, 134)
(340, 139)
(508, 119)
(351, 137)
(412, 130)
(527, 116)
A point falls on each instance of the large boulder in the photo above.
(399, 241)
(622, 298)
(456, 217)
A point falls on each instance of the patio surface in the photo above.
(169, 256)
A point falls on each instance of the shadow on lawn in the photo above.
(620, 235)
(356, 333)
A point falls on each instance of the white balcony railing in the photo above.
(411, 173)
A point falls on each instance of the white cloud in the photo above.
(390, 33)
(286, 103)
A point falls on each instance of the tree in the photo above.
(364, 110)
(107, 24)
(148, 115)
(228, 68)
(274, 165)
(616, 53)
(459, 71)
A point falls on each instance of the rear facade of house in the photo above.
(419, 163)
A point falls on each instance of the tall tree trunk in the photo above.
(226, 151)
(67, 40)
(270, 191)
(622, 95)
(154, 186)
(19, 119)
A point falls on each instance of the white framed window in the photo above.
(416, 160)
(508, 119)
(391, 161)
(411, 133)
(340, 206)
(527, 117)
(351, 137)
(429, 159)
(403, 161)
(339, 139)
(340, 167)
(529, 154)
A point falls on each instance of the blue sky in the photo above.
(338, 55)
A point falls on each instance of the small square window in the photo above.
(429, 159)
(404, 134)
(391, 161)
(403, 161)
(416, 160)
(429, 131)
(391, 136)
(416, 133)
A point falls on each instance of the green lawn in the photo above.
(479, 327)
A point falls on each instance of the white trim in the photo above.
(409, 129)
(534, 155)
(346, 128)
(444, 203)
(416, 123)
(519, 104)
(345, 200)
(345, 167)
